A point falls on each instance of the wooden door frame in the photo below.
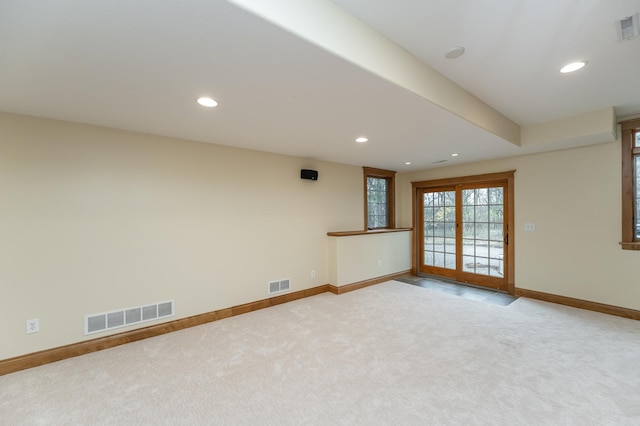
(505, 177)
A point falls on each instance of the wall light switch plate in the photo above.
(529, 227)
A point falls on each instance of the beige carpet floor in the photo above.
(391, 354)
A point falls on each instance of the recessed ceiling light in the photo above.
(207, 102)
(362, 139)
(455, 154)
(408, 163)
(574, 66)
(455, 52)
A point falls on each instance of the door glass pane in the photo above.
(468, 247)
(450, 261)
(496, 196)
(450, 245)
(440, 229)
(483, 231)
(482, 213)
(496, 214)
(450, 230)
(469, 264)
(468, 230)
(428, 257)
(496, 232)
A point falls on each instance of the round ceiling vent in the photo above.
(454, 52)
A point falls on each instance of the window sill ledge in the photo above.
(367, 232)
(630, 246)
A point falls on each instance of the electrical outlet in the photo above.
(313, 273)
(379, 263)
(33, 326)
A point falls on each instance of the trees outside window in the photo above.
(379, 198)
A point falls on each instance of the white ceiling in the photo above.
(514, 50)
(140, 65)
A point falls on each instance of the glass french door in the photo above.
(464, 233)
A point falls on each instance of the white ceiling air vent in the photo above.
(629, 27)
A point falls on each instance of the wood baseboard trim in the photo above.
(579, 303)
(11, 365)
(47, 356)
(366, 283)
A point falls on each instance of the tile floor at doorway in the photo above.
(493, 297)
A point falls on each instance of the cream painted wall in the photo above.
(358, 258)
(574, 198)
(95, 219)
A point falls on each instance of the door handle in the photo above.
(506, 239)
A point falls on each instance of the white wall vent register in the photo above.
(629, 27)
(115, 319)
(279, 286)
